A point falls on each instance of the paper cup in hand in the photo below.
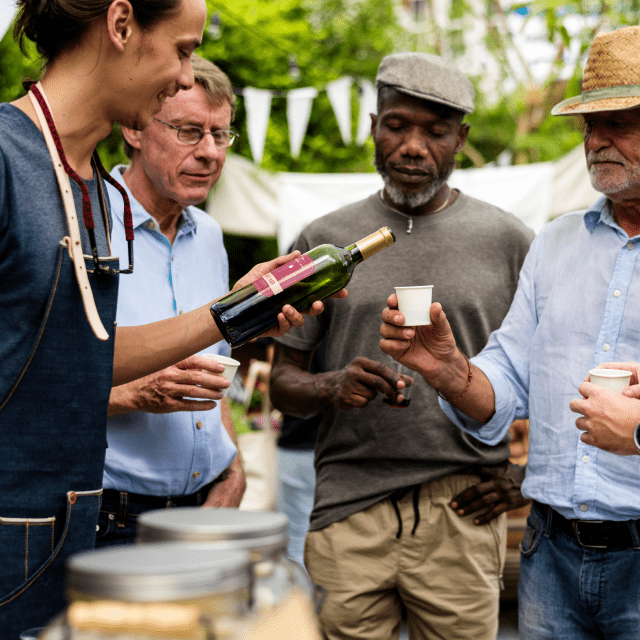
(614, 379)
(414, 304)
(230, 368)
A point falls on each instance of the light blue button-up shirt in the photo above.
(174, 453)
(575, 308)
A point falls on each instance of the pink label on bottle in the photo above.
(284, 276)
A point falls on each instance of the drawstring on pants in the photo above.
(398, 495)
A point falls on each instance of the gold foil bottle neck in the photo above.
(376, 242)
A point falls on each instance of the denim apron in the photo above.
(52, 449)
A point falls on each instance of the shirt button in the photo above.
(583, 507)
(180, 312)
(629, 245)
(196, 474)
(617, 293)
(172, 257)
(199, 424)
(149, 225)
(585, 458)
(605, 346)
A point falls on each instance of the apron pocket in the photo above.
(28, 546)
(26, 543)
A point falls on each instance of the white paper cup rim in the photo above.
(425, 286)
(221, 359)
(610, 373)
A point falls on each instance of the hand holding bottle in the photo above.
(289, 316)
(290, 283)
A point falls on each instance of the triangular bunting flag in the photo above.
(368, 105)
(299, 103)
(339, 93)
(258, 107)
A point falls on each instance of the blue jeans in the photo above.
(567, 592)
(119, 512)
(296, 486)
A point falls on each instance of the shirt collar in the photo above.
(186, 222)
(600, 213)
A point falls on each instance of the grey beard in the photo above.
(402, 199)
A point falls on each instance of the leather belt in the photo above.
(164, 502)
(592, 534)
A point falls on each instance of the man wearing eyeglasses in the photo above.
(171, 439)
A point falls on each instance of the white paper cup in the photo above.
(230, 368)
(414, 304)
(614, 379)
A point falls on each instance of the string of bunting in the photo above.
(299, 101)
(257, 104)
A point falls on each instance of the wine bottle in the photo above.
(248, 312)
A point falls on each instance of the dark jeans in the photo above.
(119, 512)
(568, 592)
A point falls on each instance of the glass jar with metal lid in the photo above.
(217, 583)
(262, 533)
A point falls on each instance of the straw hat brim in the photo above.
(575, 106)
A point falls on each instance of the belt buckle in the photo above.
(576, 530)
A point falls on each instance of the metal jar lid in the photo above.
(159, 572)
(256, 531)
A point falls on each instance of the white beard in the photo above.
(401, 199)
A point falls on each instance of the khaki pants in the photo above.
(446, 575)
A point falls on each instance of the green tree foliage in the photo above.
(519, 121)
(327, 40)
(16, 67)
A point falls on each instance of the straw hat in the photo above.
(611, 80)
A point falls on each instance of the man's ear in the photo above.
(463, 131)
(131, 136)
(374, 122)
(120, 23)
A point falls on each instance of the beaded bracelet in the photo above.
(466, 388)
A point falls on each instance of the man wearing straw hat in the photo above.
(575, 308)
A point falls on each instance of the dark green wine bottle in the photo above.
(247, 313)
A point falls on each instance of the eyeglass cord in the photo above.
(87, 212)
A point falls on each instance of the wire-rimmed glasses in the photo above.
(222, 138)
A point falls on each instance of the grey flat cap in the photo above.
(428, 77)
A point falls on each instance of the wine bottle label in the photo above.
(279, 279)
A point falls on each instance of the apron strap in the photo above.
(72, 241)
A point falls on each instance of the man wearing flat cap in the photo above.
(577, 306)
(384, 537)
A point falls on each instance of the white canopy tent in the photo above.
(253, 202)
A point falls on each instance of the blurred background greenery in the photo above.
(289, 44)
